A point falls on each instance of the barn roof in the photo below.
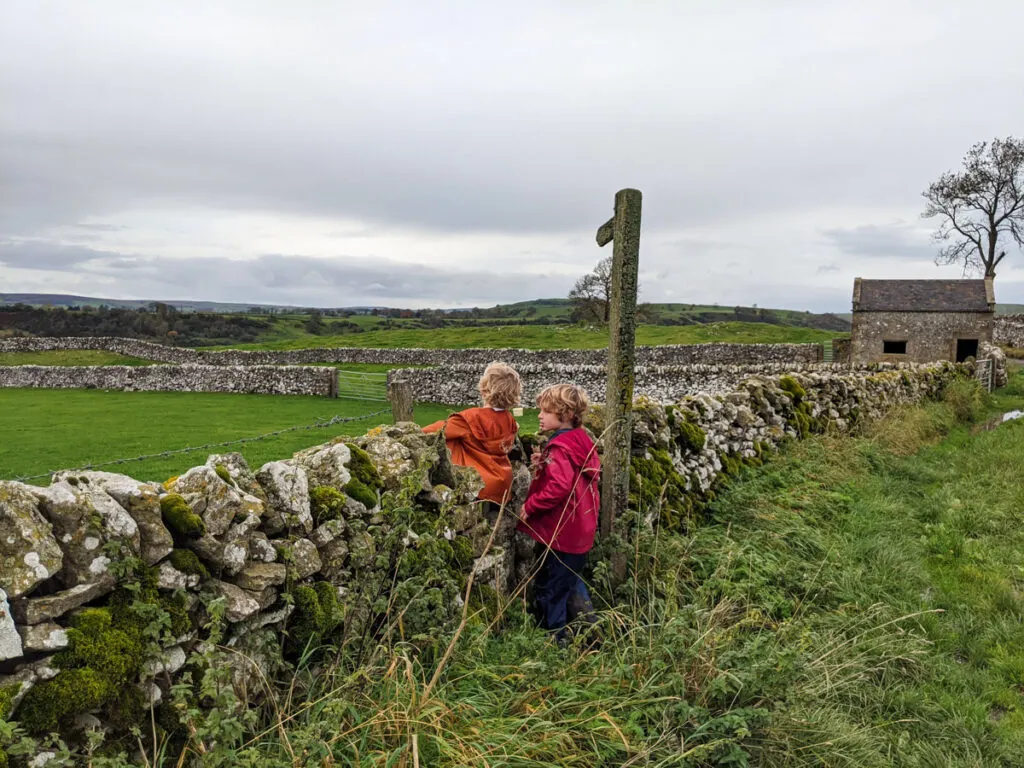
(923, 296)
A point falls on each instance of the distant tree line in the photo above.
(162, 323)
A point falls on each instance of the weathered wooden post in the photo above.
(400, 397)
(624, 230)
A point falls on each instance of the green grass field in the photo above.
(555, 337)
(45, 430)
(71, 357)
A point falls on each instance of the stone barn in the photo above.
(920, 321)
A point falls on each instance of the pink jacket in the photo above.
(562, 507)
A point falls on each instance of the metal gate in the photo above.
(984, 371)
(356, 385)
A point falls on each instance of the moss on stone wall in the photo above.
(655, 486)
(318, 614)
(179, 517)
(187, 561)
(690, 437)
(326, 503)
(366, 482)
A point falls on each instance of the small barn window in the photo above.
(894, 347)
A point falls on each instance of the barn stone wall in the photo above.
(930, 336)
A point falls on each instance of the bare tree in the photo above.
(591, 296)
(979, 206)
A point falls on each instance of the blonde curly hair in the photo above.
(500, 386)
(567, 400)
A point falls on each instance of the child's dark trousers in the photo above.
(559, 592)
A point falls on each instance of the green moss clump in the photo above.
(793, 388)
(318, 613)
(326, 503)
(223, 474)
(802, 421)
(691, 437)
(363, 469)
(180, 518)
(654, 484)
(361, 492)
(186, 561)
(7, 694)
(731, 464)
(100, 664)
(462, 553)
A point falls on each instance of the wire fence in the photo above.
(318, 424)
(356, 385)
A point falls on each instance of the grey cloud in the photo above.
(48, 256)
(522, 124)
(333, 282)
(825, 269)
(897, 240)
(101, 227)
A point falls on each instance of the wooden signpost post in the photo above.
(623, 229)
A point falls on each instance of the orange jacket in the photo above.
(481, 438)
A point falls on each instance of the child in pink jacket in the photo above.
(562, 507)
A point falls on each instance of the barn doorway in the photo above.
(966, 348)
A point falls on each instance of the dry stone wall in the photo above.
(457, 384)
(114, 588)
(255, 379)
(670, 354)
(1009, 330)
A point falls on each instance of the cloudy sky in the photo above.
(463, 153)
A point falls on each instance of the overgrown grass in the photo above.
(43, 430)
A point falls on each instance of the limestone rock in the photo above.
(219, 503)
(227, 556)
(258, 576)
(261, 549)
(45, 637)
(29, 552)
(495, 569)
(35, 610)
(468, 484)
(170, 578)
(240, 603)
(304, 558)
(287, 488)
(140, 500)
(10, 640)
(394, 461)
(466, 516)
(17, 685)
(170, 661)
(238, 470)
(84, 517)
(326, 465)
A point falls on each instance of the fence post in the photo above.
(623, 230)
(400, 396)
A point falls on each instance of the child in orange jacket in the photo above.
(482, 437)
